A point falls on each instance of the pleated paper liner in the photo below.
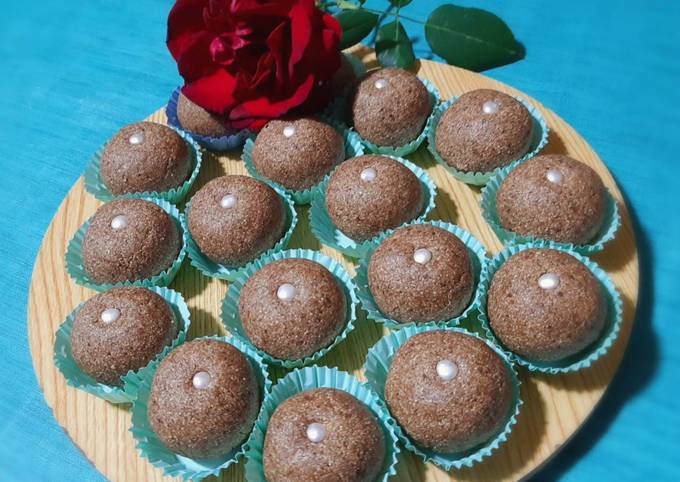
(377, 366)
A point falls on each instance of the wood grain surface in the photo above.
(555, 406)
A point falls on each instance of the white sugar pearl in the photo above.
(490, 107)
(228, 201)
(447, 370)
(136, 138)
(119, 222)
(380, 84)
(368, 174)
(316, 432)
(422, 255)
(549, 281)
(201, 380)
(288, 131)
(555, 176)
(286, 292)
(110, 315)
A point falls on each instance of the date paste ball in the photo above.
(545, 305)
(368, 194)
(482, 130)
(204, 399)
(145, 157)
(120, 330)
(553, 197)
(298, 153)
(448, 390)
(128, 240)
(292, 308)
(390, 107)
(421, 273)
(323, 434)
(234, 219)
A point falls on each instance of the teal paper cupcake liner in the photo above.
(320, 377)
(415, 143)
(325, 231)
(377, 366)
(152, 449)
(540, 135)
(611, 224)
(353, 148)
(586, 357)
(478, 257)
(230, 305)
(75, 377)
(95, 184)
(74, 256)
(214, 270)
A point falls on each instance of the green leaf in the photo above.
(393, 46)
(400, 3)
(471, 38)
(356, 24)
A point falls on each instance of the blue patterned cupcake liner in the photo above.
(325, 231)
(152, 449)
(230, 305)
(611, 224)
(214, 270)
(75, 377)
(353, 148)
(74, 256)
(540, 134)
(377, 367)
(218, 144)
(586, 357)
(478, 258)
(94, 184)
(320, 377)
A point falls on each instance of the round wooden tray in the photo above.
(555, 406)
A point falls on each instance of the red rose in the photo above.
(253, 60)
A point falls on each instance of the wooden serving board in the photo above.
(555, 406)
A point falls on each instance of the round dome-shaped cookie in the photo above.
(145, 157)
(553, 197)
(194, 118)
(368, 194)
(448, 390)
(323, 434)
(120, 330)
(545, 305)
(128, 240)
(234, 219)
(390, 107)
(421, 273)
(292, 308)
(204, 399)
(297, 153)
(482, 130)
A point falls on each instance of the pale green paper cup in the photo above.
(377, 366)
(214, 270)
(75, 377)
(320, 377)
(353, 148)
(74, 256)
(412, 146)
(230, 305)
(95, 184)
(325, 231)
(611, 224)
(539, 140)
(587, 356)
(152, 449)
(478, 257)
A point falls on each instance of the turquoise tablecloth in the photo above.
(72, 72)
